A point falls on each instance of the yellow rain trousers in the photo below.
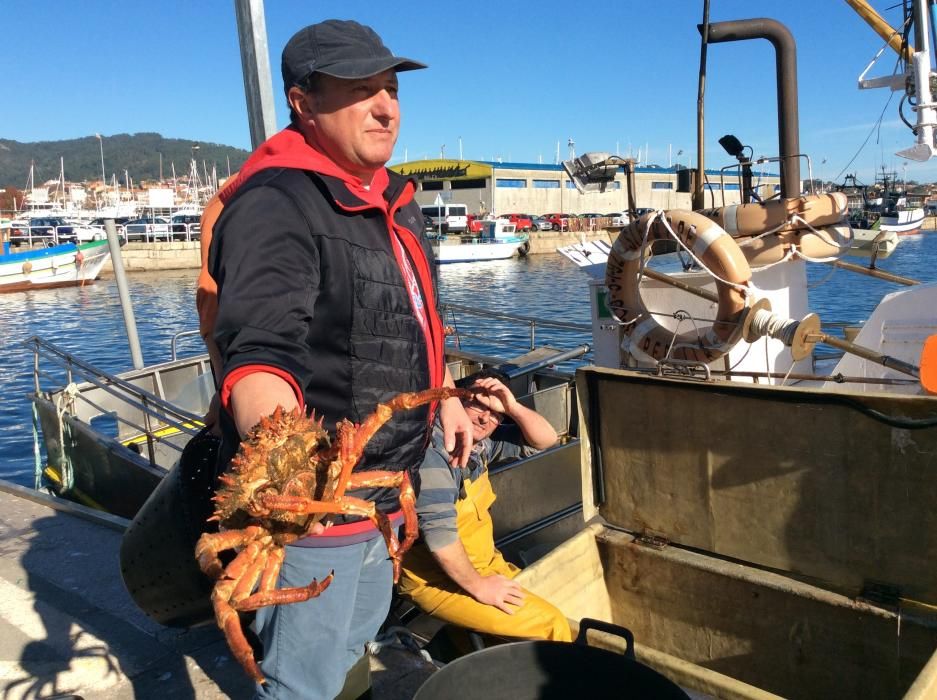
(424, 583)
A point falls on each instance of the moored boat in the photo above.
(57, 266)
(878, 241)
(497, 240)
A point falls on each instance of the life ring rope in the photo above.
(643, 337)
(707, 240)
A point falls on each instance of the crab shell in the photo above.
(286, 453)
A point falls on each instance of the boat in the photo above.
(496, 240)
(747, 476)
(863, 212)
(57, 266)
(901, 211)
(868, 241)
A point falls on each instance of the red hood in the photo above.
(289, 149)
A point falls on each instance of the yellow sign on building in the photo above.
(440, 169)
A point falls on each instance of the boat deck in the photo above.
(69, 629)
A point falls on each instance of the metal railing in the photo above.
(47, 236)
(157, 413)
(564, 333)
(175, 342)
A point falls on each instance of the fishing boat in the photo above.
(496, 240)
(746, 477)
(863, 210)
(901, 212)
(57, 266)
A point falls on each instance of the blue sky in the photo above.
(510, 78)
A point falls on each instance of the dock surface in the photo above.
(69, 629)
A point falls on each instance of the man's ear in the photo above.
(299, 101)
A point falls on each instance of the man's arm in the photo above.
(496, 590)
(436, 511)
(456, 425)
(537, 431)
(258, 395)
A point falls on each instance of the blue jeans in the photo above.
(309, 647)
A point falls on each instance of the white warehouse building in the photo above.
(534, 188)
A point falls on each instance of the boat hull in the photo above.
(867, 241)
(476, 251)
(906, 223)
(761, 540)
(58, 266)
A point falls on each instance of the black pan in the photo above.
(535, 670)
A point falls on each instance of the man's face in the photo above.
(484, 420)
(356, 122)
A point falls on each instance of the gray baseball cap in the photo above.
(340, 48)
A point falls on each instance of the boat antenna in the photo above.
(698, 197)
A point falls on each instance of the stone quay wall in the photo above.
(181, 255)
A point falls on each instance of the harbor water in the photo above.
(87, 321)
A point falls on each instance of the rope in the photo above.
(744, 289)
(765, 323)
(66, 403)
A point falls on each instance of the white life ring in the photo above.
(644, 337)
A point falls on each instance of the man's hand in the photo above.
(457, 431)
(495, 396)
(499, 591)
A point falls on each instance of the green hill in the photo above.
(138, 154)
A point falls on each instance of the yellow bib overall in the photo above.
(427, 585)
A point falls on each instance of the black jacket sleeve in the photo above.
(266, 265)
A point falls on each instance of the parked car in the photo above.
(641, 211)
(542, 223)
(119, 222)
(522, 222)
(148, 227)
(619, 218)
(186, 227)
(51, 230)
(559, 220)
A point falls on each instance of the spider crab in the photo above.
(286, 476)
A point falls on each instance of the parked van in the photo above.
(447, 217)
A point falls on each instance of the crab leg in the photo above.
(400, 480)
(210, 543)
(353, 439)
(227, 617)
(285, 596)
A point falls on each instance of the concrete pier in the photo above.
(69, 629)
(182, 255)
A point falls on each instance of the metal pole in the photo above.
(126, 305)
(103, 176)
(786, 71)
(699, 194)
(865, 353)
(255, 64)
(872, 272)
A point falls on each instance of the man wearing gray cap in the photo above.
(327, 301)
